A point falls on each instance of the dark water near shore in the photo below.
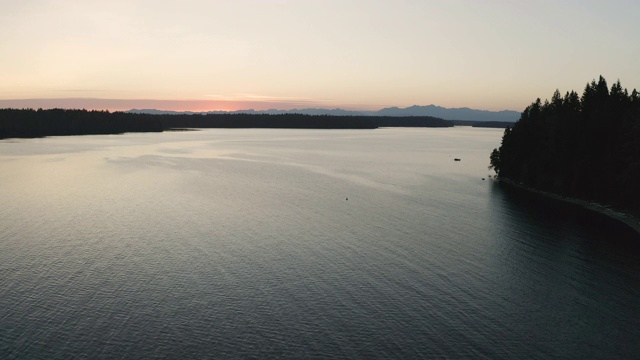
(241, 244)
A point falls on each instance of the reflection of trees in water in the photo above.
(554, 216)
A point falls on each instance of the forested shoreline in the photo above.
(27, 123)
(586, 147)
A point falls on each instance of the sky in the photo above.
(359, 55)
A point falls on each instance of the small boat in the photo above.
(456, 159)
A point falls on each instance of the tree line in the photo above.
(15, 123)
(584, 146)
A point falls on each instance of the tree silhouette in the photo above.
(37, 123)
(587, 147)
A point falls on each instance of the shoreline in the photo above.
(627, 219)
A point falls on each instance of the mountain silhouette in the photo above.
(465, 113)
(452, 113)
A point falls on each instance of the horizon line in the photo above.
(192, 105)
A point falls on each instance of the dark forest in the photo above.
(585, 146)
(25, 123)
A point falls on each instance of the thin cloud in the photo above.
(80, 90)
(266, 98)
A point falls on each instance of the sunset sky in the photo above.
(241, 54)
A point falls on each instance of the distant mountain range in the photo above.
(466, 114)
(452, 113)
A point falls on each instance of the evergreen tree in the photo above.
(586, 146)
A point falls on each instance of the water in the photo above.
(242, 244)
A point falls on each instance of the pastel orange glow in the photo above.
(361, 55)
(175, 105)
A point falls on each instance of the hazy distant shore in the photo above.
(30, 123)
(632, 221)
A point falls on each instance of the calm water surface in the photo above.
(242, 244)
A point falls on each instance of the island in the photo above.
(28, 123)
